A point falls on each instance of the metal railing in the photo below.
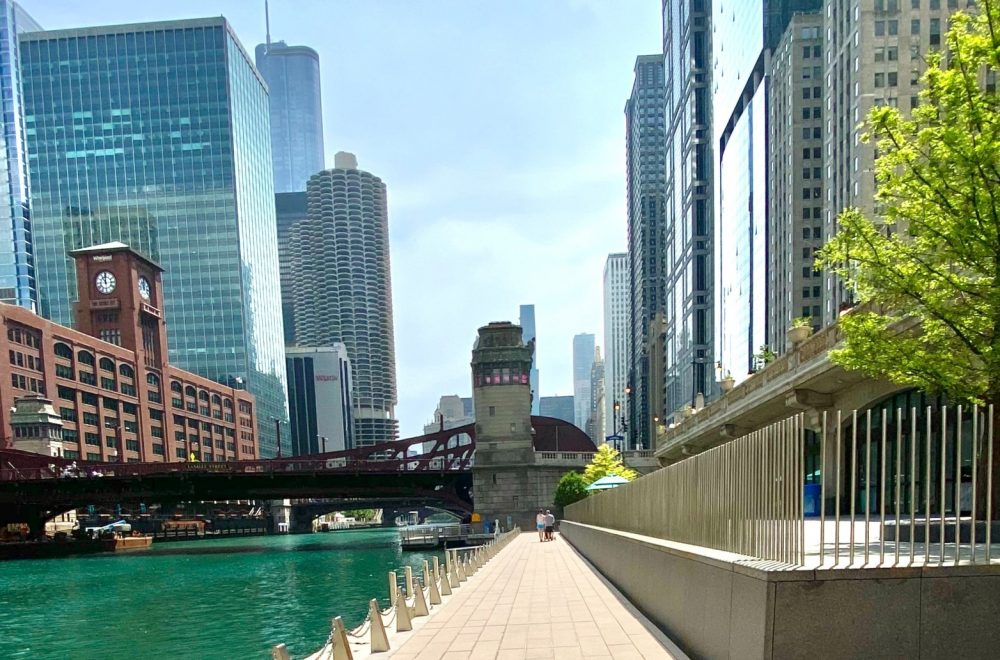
(884, 487)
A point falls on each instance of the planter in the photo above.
(727, 383)
(799, 334)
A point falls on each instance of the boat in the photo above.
(120, 543)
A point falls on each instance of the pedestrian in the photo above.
(540, 525)
(550, 526)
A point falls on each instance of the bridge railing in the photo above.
(22, 466)
(883, 487)
(416, 596)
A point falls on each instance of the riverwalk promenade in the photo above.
(535, 600)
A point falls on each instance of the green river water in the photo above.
(207, 600)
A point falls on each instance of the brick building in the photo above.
(110, 379)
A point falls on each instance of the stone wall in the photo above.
(515, 490)
(718, 605)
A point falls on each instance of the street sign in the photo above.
(614, 439)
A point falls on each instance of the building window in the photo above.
(493, 411)
(92, 439)
(88, 378)
(91, 418)
(67, 414)
(108, 384)
(132, 445)
(158, 450)
(66, 393)
(107, 364)
(63, 351)
(83, 357)
(111, 336)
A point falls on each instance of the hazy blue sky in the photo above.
(498, 128)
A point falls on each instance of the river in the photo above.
(210, 600)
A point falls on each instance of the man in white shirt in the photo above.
(550, 526)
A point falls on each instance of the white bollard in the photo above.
(380, 639)
(419, 602)
(393, 586)
(443, 581)
(280, 652)
(340, 649)
(408, 582)
(403, 622)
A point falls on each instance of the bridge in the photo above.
(435, 469)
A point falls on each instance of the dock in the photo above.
(431, 537)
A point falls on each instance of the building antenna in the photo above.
(267, 26)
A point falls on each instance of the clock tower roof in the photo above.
(113, 247)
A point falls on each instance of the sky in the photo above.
(499, 130)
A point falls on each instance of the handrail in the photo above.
(417, 598)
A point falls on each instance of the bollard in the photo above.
(462, 573)
(452, 576)
(408, 582)
(280, 652)
(427, 574)
(380, 640)
(340, 649)
(419, 602)
(432, 591)
(393, 586)
(403, 622)
(445, 585)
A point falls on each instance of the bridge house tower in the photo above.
(506, 481)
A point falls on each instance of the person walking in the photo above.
(540, 525)
(550, 526)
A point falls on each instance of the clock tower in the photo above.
(120, 300)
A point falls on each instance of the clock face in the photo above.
(105, 282)
(144, 288)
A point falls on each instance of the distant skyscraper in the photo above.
(17, 267)
(645, 163)
(560, 407)
(795, 136)
(528, 330)
(157, 135)
(290, 208)
(452, 411)
(595, 420)
(292, 76)
(342, 290)
(742, 43)
(688, 356)
(583, 361)
(616, 338)
(320, 411)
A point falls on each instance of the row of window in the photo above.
(27, 384)
(23, 336)
(28, 361)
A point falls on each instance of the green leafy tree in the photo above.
(360, 514)
(607, 461)
(571, 488)
(929, 265)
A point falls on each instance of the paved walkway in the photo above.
(535, 600)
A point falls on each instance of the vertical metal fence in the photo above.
(883, 487)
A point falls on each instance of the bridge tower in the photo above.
(505, 480)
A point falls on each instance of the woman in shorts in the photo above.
(540, 524)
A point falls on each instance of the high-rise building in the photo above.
(616, 337)
(452, 411)
(689, 306)
(319, 399)
(595, 420)
(296, 108)
(559, 407)
(645, 166)
(157, 135)
(528, 328)
(583, 362)
(17, 268)
(342, 292)
(874, 55)
(742, 43)
(290, 208)
(795, 139)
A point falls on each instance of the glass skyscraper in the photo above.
(742, 42)
(17, 270)
(528, 333)
(292, 76)
(157, 135)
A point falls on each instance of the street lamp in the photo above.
(628, 396)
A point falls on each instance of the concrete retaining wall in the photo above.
(713, 607)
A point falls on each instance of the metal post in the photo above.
(277, 430)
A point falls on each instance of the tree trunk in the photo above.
(984, 468)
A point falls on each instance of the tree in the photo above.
(933, 255)
(361, 514)
(607, 461)
(571, 488)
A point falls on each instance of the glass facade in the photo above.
(17, 270)
(157, 135)
(583, 362)
(688, 228)
(292, 76)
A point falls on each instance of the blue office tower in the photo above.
(157, 135)
(17, 270)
